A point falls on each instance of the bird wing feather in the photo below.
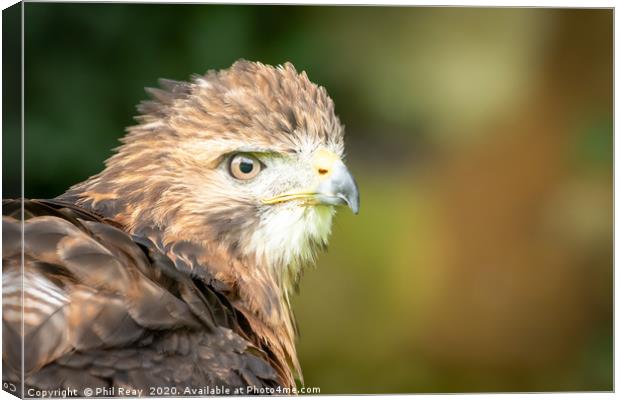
(102, 309)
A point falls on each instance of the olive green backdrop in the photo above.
(482, 143)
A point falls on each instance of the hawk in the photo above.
(174, 266)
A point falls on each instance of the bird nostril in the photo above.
(322, 171)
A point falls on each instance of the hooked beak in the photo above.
(336, 186)
(339, 188)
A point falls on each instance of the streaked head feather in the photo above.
(169, 176)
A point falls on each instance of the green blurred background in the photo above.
(481, 140)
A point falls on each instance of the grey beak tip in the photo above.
(355, 207)
(354, 201)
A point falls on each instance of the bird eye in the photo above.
(244, 167)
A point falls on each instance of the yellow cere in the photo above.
(324, 160)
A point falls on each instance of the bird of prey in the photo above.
(174, 266)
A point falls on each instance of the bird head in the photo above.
(248, 159)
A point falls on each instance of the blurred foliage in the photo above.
(482, 143)
(11, 100)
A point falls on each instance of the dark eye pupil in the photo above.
(246, 166)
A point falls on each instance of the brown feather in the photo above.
(82, 340)
(152, 253)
